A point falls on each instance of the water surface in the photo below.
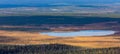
(81, 33)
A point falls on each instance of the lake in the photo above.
(80, 33)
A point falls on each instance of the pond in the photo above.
(80, 33)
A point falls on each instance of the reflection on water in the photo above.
(81, 33)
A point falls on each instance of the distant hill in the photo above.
(45, 5)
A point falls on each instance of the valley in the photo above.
(26, 30)
(60, 27)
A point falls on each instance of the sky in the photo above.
(56, 1)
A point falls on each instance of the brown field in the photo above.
(26, 38)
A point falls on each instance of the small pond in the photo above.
(80, 33)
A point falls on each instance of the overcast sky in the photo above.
(56, 1)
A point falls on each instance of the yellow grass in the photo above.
(19, 37)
